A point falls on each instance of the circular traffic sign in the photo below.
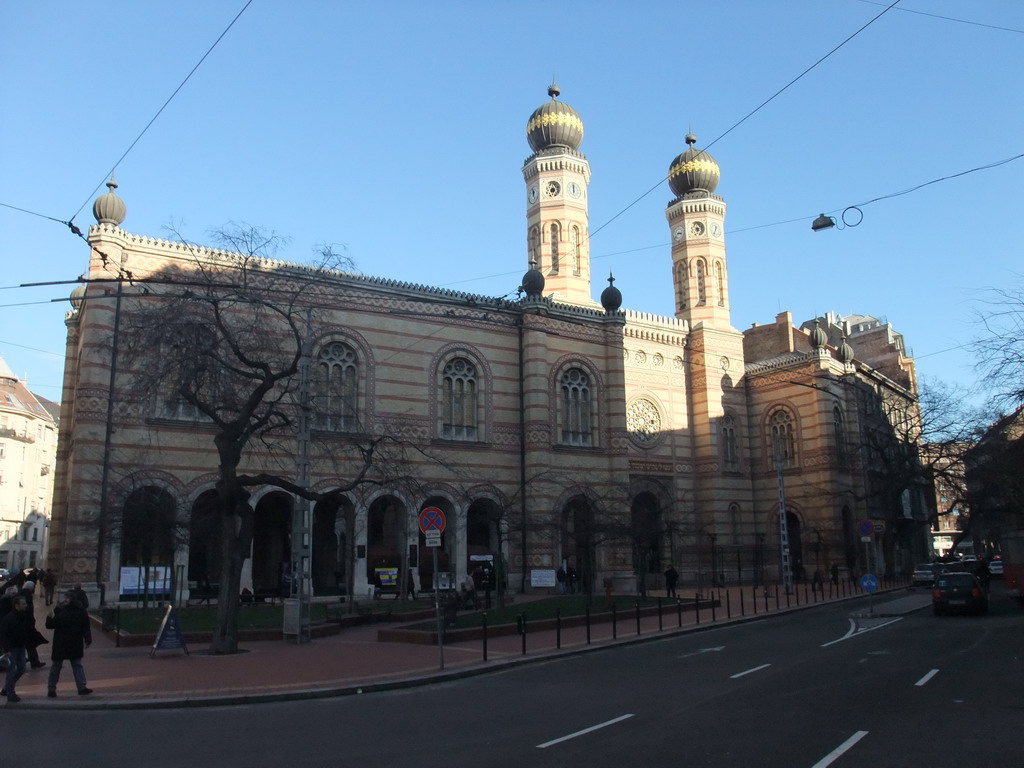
(865, 528)
(869, 582)
(432, 519)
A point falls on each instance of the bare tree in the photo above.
(999, 348)
(904, 448)
(220, 340)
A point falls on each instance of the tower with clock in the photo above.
(556, 176)
(696, 218)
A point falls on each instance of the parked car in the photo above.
(924, 574)
(995, 567)
(958, 591)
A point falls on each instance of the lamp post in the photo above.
(784, 561)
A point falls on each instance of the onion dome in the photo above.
(533, 282)
(554, 124)
(78, 294)
(846, 352)
(611, 297)
(109, 208)
(818, 336)
(693, 170)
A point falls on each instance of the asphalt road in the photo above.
(799, 691)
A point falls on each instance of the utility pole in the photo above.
(301, 532)
(784, 562)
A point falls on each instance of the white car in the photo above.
(995, 567)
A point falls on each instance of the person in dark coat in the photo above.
(16, 630)
(28, 592)
(79, 596)
(671, 579)
(71, 636)
(49, 585)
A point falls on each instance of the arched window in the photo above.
(681, 285)
(837, 430)
(701, 292)
(720, 278)
(577, 253)
(535, 246)
(554, 248)
(458, 407)
(730, 451)
(337, 388)
(577, 405)
(783, 438)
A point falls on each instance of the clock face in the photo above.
(552, 188)
(573, 189)
(533, 194)
(679, 235)
(716, 231)
(697, 228)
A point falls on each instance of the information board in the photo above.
(169, 636)
(545, 578)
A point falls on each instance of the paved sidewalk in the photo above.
(355, 661)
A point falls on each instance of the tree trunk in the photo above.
(236, 547)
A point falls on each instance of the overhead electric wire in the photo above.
(750, 114)
(950, 18)
(159, 111)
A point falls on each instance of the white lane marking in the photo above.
(832, 756)
(755, 669)
(926, 678)
(702, 650)
(605, 724)
(856, 633)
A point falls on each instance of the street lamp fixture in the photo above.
(822, 222)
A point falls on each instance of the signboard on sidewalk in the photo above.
(169, 635)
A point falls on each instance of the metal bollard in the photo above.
(728, 605)
(696, 607)
(588, 625)
(679, 610)
(485, 636)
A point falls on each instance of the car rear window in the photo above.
(956, 579)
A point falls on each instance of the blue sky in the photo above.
(397, 130)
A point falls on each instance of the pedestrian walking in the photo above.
(671, 579)
(834, 570)
(560, 575)
(79, 596)
(71, 636)
(15, 632)
(49, 585)
(32, 646)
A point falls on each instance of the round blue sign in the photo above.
(869, 582)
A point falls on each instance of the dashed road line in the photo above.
(926, 678)
(747, 672)
(836, 753)
(605, 724)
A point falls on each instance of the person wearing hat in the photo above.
(28, 591)
(71, 636)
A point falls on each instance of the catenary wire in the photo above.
(950, 18)
(159, 111)
(750, 114)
